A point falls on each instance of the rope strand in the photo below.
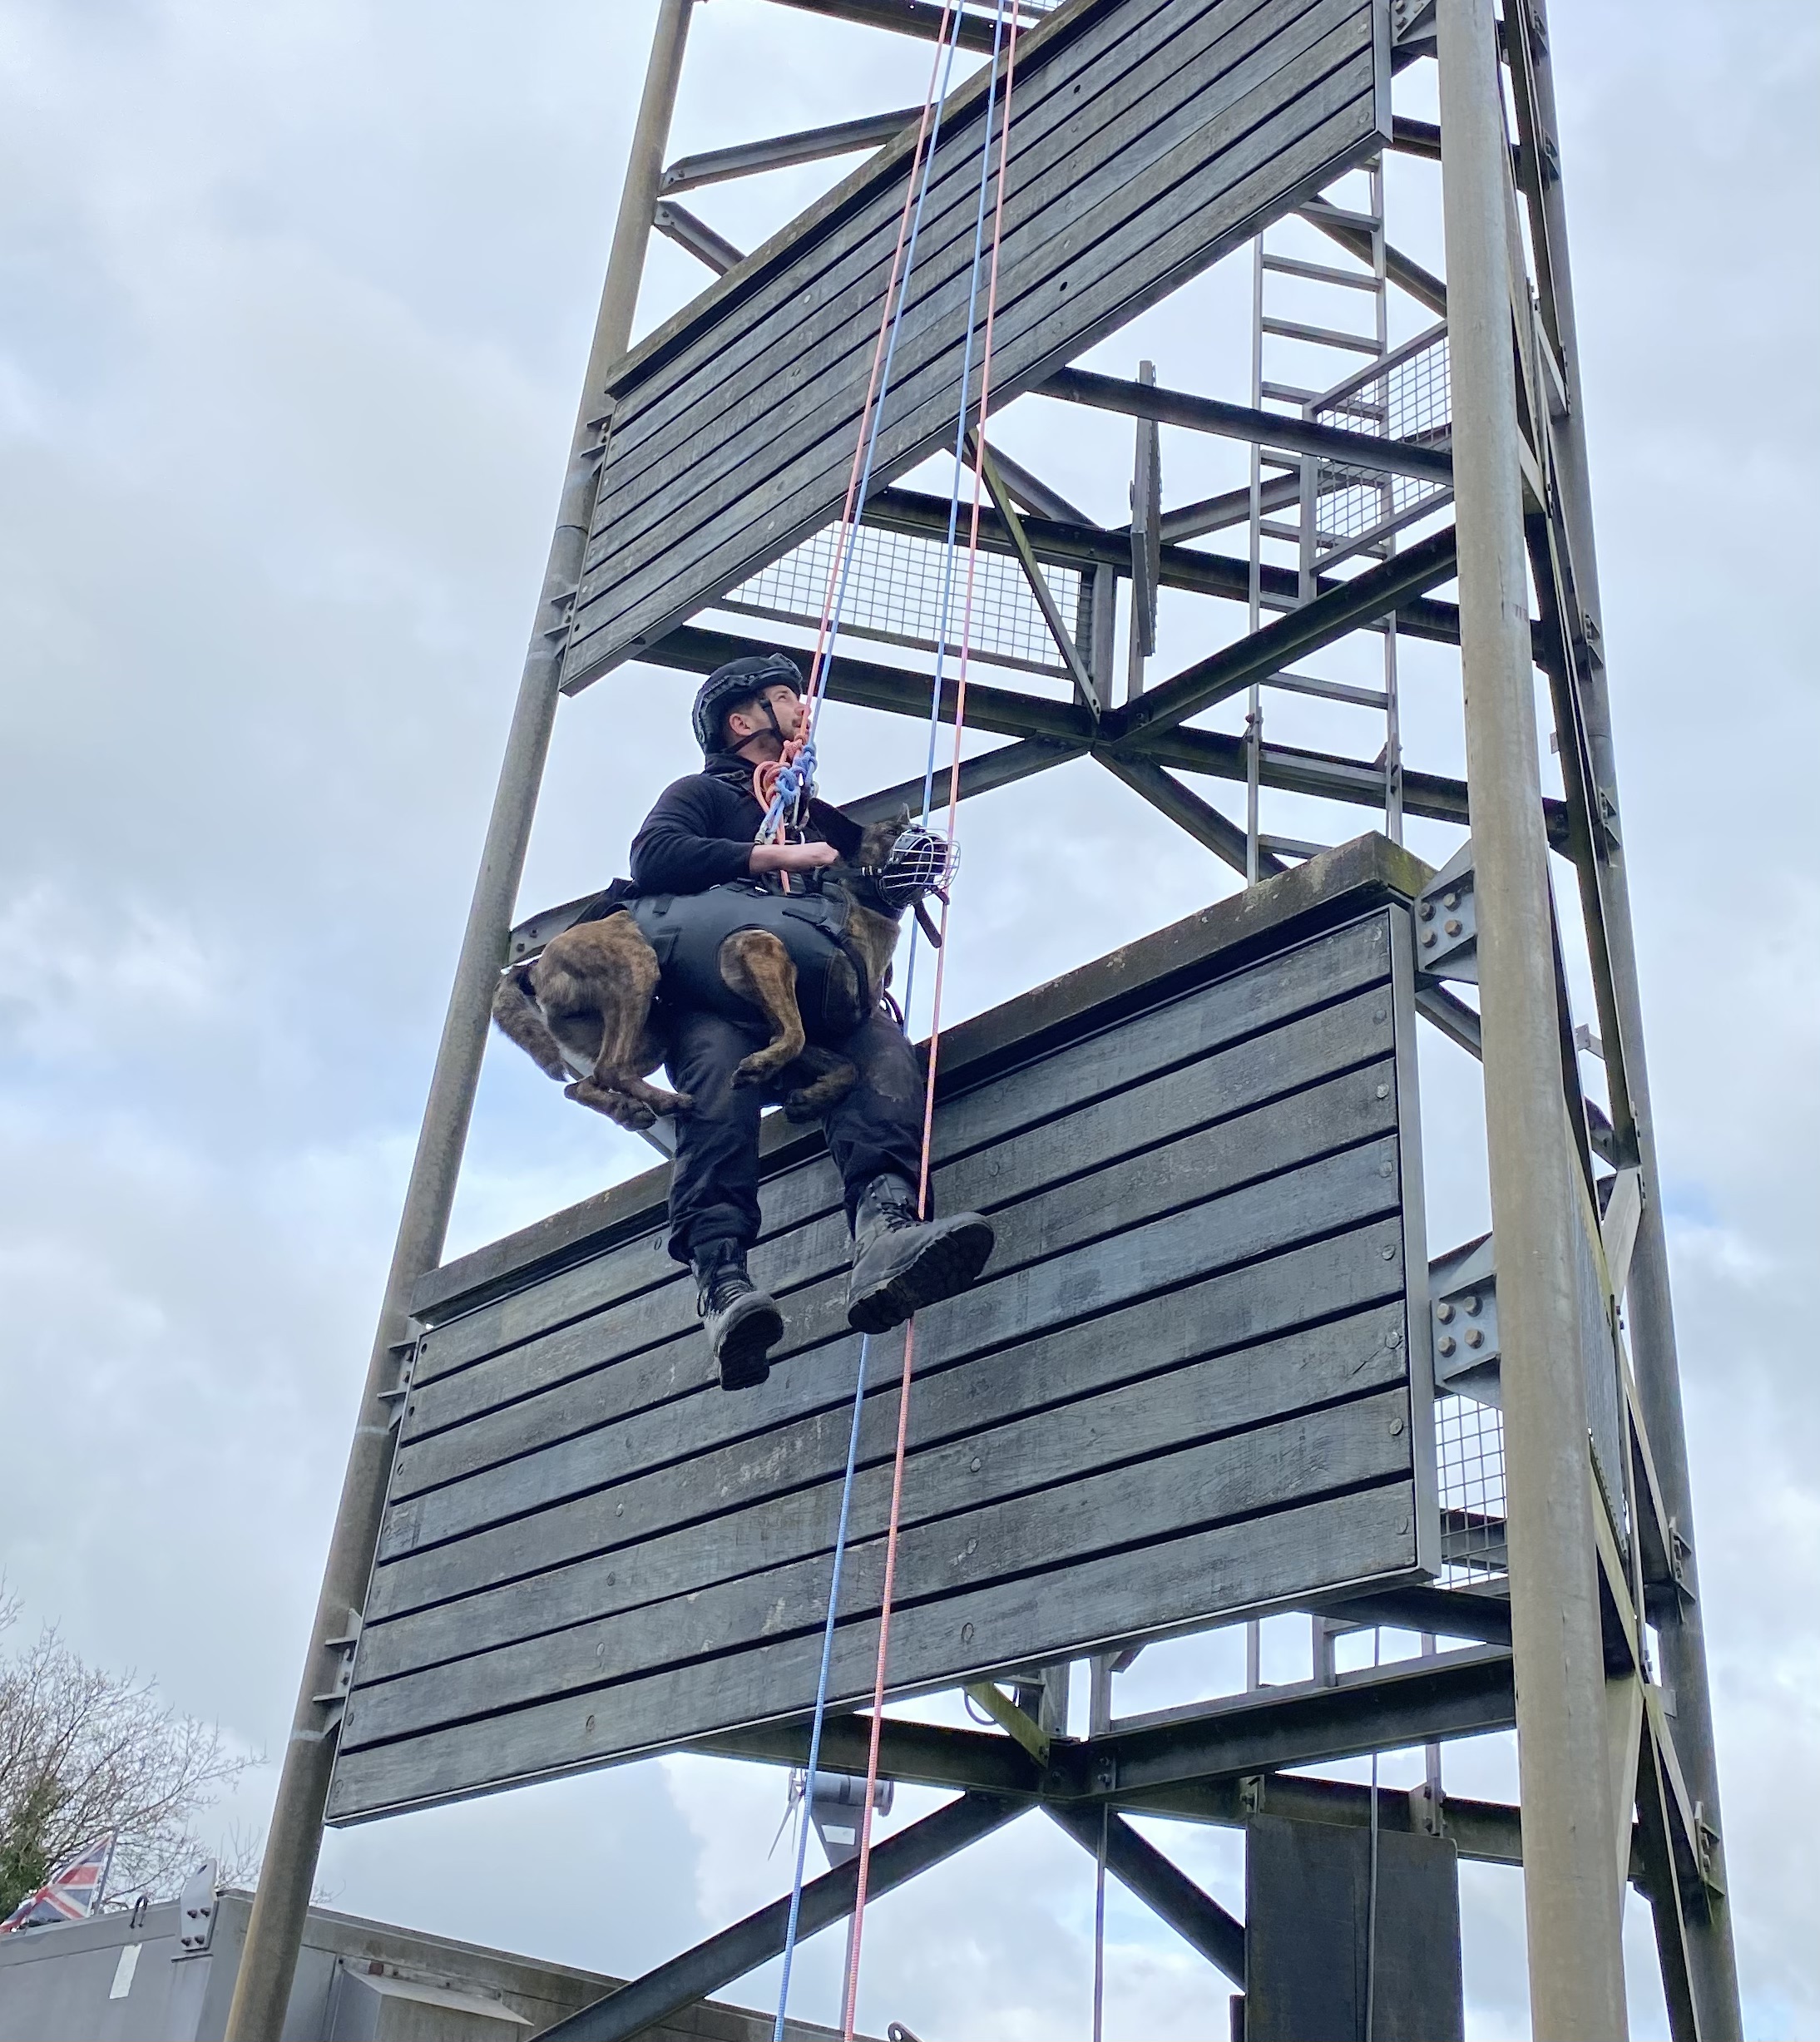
(797, 766)
(798, 762)
(851, 1993)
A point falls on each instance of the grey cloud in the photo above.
(295, 301)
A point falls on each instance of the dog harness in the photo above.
(687, 930)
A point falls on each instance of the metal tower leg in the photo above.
(275, 1933)
(1572, 1895)
(1680, 1635)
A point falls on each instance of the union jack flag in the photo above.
(71, 1893)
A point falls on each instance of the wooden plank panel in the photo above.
(1153, 112)
(1340, 1192)
(1365, 1537)
(1185, 1393)
(1150, 1492)
(1013, 1423)
(813, 257)
(802, 500)
(1070, 151)
(1117, 268)
(1087, 1069)
(1228, 1150)
(1301, 1287)
(639, 589)
(834, 278)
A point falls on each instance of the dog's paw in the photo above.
(621, 1111)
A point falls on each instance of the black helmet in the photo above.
(737, 681)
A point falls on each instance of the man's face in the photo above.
(751, 721)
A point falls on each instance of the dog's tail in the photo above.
(517, 1015)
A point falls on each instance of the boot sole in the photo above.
(745, 1346)
(944, 1269)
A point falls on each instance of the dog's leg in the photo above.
(607, 970)
(758, 967)
(829, 1077)
(517, 1015)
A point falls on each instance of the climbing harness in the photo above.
(921, 861)
(687, 930)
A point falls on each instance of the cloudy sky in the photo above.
(293, 305)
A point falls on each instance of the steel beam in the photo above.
(677, 224)
(711, 1965)
(979, 775)
(1713, 1966)
(1266, 429)
(1378, 592)
(1009, 713)
(1572, 1898)
(1035, 494)
(280, 1907)
(927, 1753)
(1232, 507)
(1201, 1922)
(1065, 544)
(1040, 590)
(1202, 821)
(1415, 1702)
(1489, 1831)
(902, 17)
(747, 159)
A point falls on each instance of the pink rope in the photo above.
(851, 1986)
(817, 672)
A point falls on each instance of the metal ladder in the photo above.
(1338, 513)
(1282, 481)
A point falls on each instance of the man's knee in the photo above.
(705, 1051)
(888, 1065)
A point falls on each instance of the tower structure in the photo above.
(1402, 431)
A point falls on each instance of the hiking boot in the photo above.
(901, 1264)
(742, 1324)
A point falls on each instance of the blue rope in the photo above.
(798, 779)
(821, 1690)
(819, 674)
(947, 613)
(793, 781)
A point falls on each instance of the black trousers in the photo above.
(714, 1189)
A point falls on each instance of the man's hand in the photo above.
(791, 857)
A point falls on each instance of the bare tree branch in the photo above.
(83, 1754)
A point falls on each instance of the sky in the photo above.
(294, 302)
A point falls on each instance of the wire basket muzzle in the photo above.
(920, 863)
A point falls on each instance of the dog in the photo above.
(585, 1003)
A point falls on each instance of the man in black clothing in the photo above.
(701, 835)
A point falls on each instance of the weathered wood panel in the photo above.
(1305, 1285)
(1084, 1071)
(1125, 141)
(1149, 137)
(1185, 1387)
(1132, 1262)
(1351, 1540)
(1035, 1216)
(972, 1429)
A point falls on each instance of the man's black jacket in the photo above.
(700, 832)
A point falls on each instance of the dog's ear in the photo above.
(903, 818)
(840, 830)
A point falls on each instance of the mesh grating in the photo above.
(1469, 1439)
(894, 594)
(1408, 399)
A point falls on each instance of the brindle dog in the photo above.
(590, 990)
